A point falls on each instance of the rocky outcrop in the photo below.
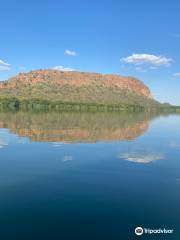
(77, 79)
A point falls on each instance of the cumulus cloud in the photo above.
(4, 66)
(138, 157)
(176, 74)
(148, 59)
(70, 53)
(63, 69)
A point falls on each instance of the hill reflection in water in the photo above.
(76, 127)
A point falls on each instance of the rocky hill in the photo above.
(79, 87)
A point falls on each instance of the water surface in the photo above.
(88, 176)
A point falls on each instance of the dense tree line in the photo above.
(15, 104)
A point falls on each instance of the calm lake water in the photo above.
(73, 176)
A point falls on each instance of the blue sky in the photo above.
(126, 37)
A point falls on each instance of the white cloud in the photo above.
(70, 53)
(176, 74)
(63, 69)
(148, 59)
(4, 66)
(142, 157)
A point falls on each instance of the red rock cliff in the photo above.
(78, 79)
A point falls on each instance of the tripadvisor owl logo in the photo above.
(139, 231)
